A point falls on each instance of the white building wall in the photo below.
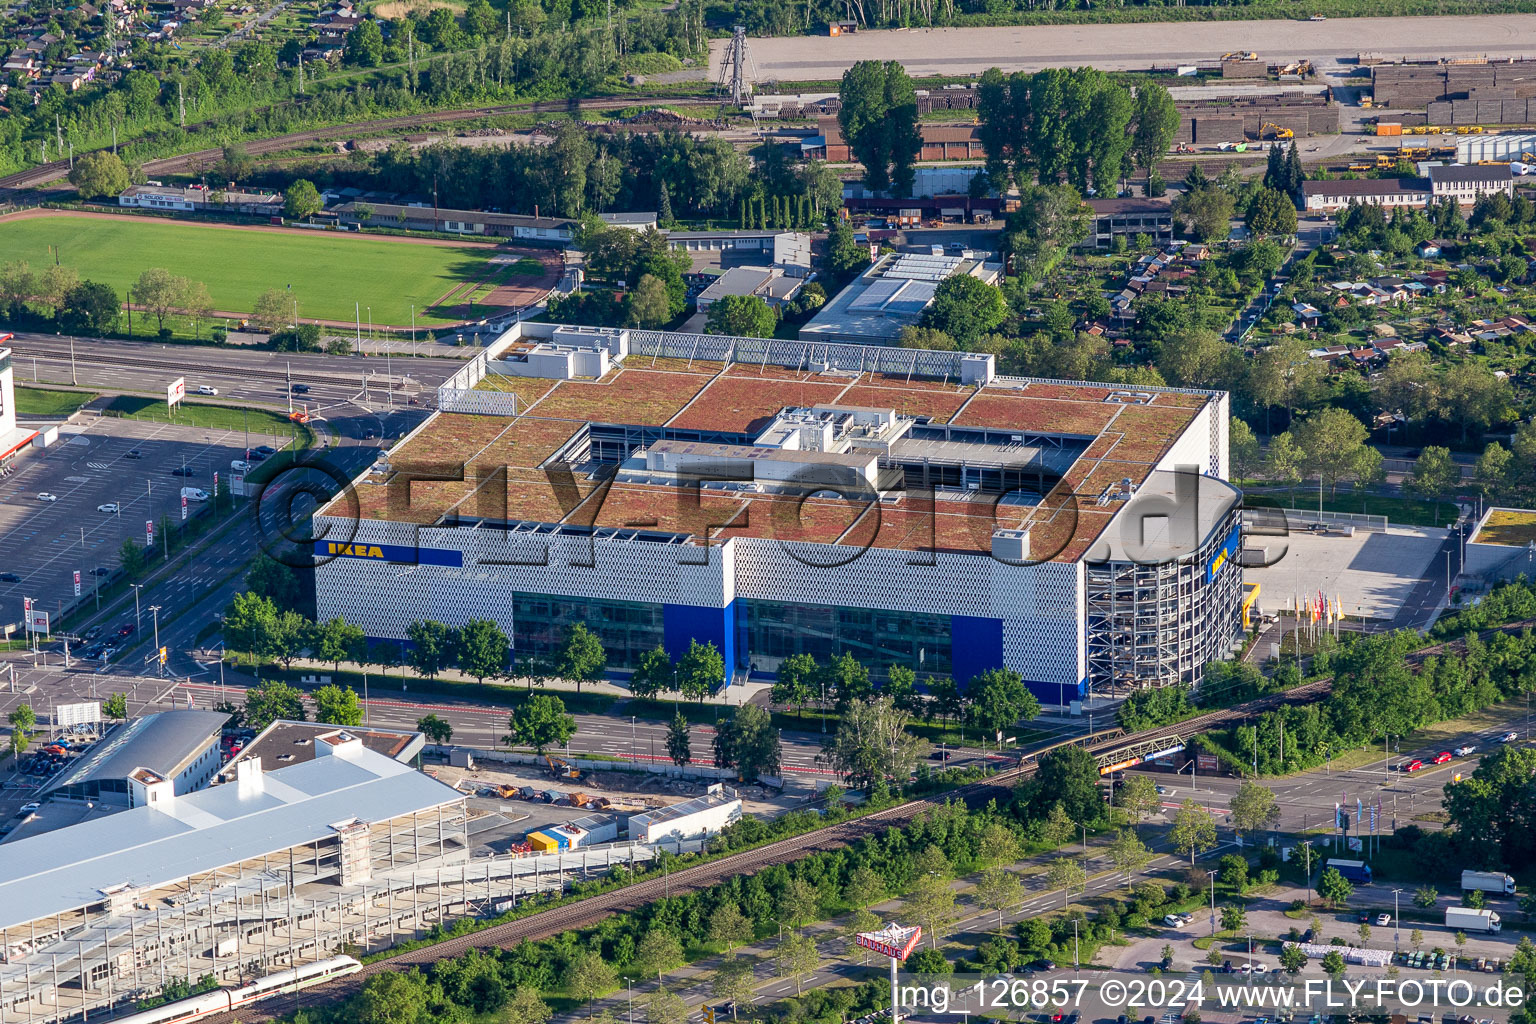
(691, 826)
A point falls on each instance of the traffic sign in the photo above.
(162, 655)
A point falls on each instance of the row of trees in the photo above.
(57, 293)
(1077, 125)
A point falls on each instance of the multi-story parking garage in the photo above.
(269, 870)
(774, 497)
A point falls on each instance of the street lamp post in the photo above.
(1396, 918)
(154, 610)
(1212, 873)
(634, 750)
(138, 619)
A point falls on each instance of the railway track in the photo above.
(594, 909)
(54, 170)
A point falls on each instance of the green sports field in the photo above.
(326, 271)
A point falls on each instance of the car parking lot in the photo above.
(104, 479)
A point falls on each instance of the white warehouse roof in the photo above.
(146, 847)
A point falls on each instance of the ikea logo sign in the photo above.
(355, 550)
(395, 554)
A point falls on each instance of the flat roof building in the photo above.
(889, 297)
(779, 497)
(180, 746)
(285, 743)
(689, 819)
(1391, 192)
(1467, 183)
(767, 283)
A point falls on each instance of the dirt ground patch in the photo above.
(511, 286)
(397, 9)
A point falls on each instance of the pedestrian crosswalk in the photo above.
(99, 465)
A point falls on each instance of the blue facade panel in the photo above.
(683, 623)
(975, 646)
(1057, 693)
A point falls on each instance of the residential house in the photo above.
(1308, 314)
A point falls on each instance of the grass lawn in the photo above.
(328, 272)
(1399, 511)
(43, 402)
(194, 414)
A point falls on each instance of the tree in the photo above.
(1472, 396)
(729, 927)
(23, 719)
(334, 640)
(365, 46)
(1333, 888)
(301, 200)
(650, 306)
(100, 174)
(864, 887)
(1207, 213)
(1435, 474)
(878, 117)
(18, 284)
(734, 983)
(1330, 441)
(115, 706)
(794, 684)
(431, 649)
(1129, 853)
(270, 701)
(90, 307)
(998, 889)
(581, 657)
(745, 316)
(748, 742)
(1049, 221)
(1156, 121)
(1416, 937)
(679, 748)
(798, 903)
(1492, 469)
(872, 744)
(1069, 777)
(1137, 796)
(235, 164)
(525, 1007)
(159, 292)
(700, 670)
(965, 308)
(482, 649)
(393, 997)
(1271, 213)
(1333, 963)
(588, 976)
(1193, 830)
(435, 729)
(1254, 808)
(273, 310)
(539, 722)
(797, 957)
(658, 952)
(1066, 874)
(653, 673)
(1424, 896)
(272, 579)
(196, 304)
(845, 256)
(1233, 917)
(251, 624)
(336, 705)
(1000, 700)
(1292, 958)
(931, 904)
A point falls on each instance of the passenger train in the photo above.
(223, 1000)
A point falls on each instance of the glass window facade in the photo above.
(627, 628)
(770, 631)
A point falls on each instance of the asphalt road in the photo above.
(240, 374)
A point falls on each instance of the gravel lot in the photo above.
(960, 51)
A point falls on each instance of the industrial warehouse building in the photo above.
(890, 296)
(776, 497)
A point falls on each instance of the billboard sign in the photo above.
(77, 582)
(1206, 762)
(183, 508)
(149, 532)
(1127, 763)
(37, 620)
(85, 713)
(894, 941)
(175, 391)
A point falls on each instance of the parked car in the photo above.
(1173, 921)
(1382, 920)
(265, 449)
(9, 577)
(29, 808)
(133, 453)
(239, 465)
(109, 507)
(183, 471)
(101, 570)
(45, 496)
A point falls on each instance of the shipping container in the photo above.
(1389, 128)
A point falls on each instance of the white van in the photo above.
(194, 494)
(240, 466)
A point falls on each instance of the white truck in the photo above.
(1488, 881)
(1465, 919)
